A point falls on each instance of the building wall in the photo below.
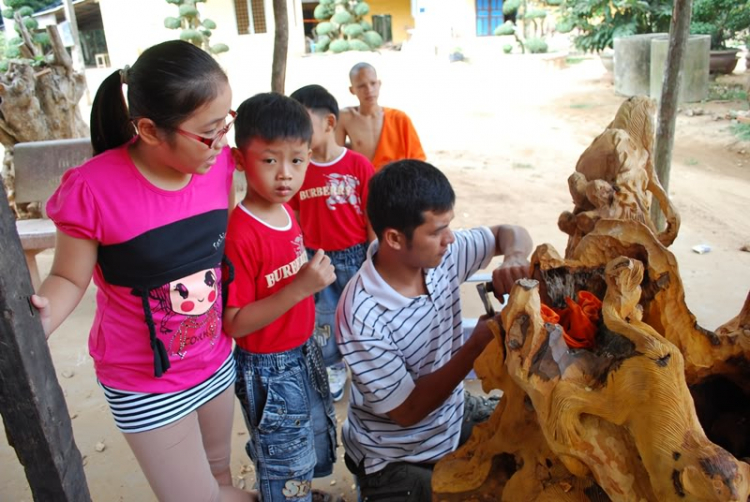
(401, 16)
(133, 26)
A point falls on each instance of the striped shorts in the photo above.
(139, 412)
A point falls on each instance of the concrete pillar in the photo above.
(633, 64)
(694, 76)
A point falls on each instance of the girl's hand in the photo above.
(45, 313)
(316, 274)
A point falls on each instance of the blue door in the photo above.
(489, 16)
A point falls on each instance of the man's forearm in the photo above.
(432, 390)
(512, 241)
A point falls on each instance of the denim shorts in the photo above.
(347, 263)
(289, 412)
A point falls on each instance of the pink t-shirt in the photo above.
(332, 202)
(159, 257)
(266, 259)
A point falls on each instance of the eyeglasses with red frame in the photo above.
(212, 142)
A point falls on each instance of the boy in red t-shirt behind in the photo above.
(331, 210)
(281, 379)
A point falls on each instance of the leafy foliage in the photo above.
(25, 9)
(723, 20)
(536, 45)
(526, 22)
(599, 22)
(192, 28)
(507, 28)
(342, 27)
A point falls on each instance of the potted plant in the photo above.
(723, 21)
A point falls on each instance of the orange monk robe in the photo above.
(398, 140)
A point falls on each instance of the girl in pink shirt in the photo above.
(146, 218)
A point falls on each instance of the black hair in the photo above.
(167, 84)
(271, 116)
(316, 98)
(401, 192)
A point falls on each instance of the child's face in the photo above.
(274, 170)
(366, 86)
(188, 155)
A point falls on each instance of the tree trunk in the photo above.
(39, 102)
(679, 32)
(280, 46)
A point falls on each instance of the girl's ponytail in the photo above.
(167, 84)
(110, 120)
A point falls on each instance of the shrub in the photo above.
(722, 20)
(373, 39)
(339, 45)
(194, 30)
(507, 28)
(511, 7)
(324, 28)
(342, 21)
(342, 17)
(599, 22)
(536, 45)
(507, 48)
(353, 30)
(322, 44)
(358, 45)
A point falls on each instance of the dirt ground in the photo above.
(507, 131)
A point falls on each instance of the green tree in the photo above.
(343, 27)
(192, 28)
(13, 43)
(599, 22)
(723, 20)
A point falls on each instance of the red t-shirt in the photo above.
(265, 260)
(332, 202)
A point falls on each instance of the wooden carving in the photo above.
(657, 408)
(615, 179)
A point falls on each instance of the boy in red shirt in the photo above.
(281, 379)
(331, 209)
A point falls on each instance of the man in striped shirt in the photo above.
(400, 330)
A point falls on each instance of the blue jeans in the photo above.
(289, 412)
(347, 263)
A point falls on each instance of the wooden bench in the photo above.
(39, 165)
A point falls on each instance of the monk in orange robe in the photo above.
(381, 134)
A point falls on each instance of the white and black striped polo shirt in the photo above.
(389, 341)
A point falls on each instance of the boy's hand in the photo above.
(42, 305)
(316, 274)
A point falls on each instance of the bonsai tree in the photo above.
(193, 29)
(599, 22)
(24, 9)
(531, 32)
(39, 90)
(723, 20)
(343, 27)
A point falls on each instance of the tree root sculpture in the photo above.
(615, 177)
(657, 410)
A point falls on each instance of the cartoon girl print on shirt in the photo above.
(194, 300)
